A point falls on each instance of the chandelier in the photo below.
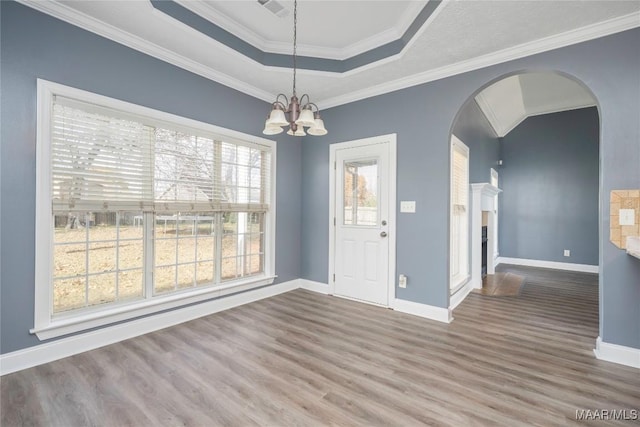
(300, 112)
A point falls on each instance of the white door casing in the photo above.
(362, 241)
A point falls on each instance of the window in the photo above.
(495, 182)
(140, 211)
(494, 177)
(361, 192)
(459, 257)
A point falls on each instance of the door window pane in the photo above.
(360, 190)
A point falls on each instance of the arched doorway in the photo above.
(531, 178)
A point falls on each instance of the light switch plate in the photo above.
(408, 206)
(627, 217)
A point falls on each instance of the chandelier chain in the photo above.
(295, 113)
(295, 42)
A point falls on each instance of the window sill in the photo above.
(77, 322)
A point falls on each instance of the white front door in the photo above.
(362, 223)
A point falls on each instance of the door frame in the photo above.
(389, 139)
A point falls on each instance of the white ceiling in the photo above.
(509, 101)
(332, 29)
(459, 36)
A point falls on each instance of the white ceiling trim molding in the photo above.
(514, 125)
(89, 23)
(503, 104)
(216, 17)
(72, 16)
(560, 110)
(347, 52)
(579, 35)
(556, 108)
(383, 61)
(86, 22)
(489, 114)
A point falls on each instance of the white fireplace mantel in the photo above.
(484, 197)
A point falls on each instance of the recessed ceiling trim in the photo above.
(88, 23)
(79, 19)
(511, 100)
(542, 113)
(503, 104)
(216, 32)
(216, 17)
(488, 112)
(579, 35)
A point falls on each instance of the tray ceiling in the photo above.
(458, 36)
(332, 29)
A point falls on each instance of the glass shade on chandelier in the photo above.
(293, 113)
(299, 118)
(307, 118)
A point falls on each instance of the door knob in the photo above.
(383, 234)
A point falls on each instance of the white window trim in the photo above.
(45, 325)
(496, 251)
(458, 281)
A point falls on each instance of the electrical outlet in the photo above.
(402, 281)
(567, 252)
(627, 216)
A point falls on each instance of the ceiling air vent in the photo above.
(274, 7)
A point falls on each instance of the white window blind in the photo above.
(138, 211)
(459, 212)
(99, 161)
(103, 159)
(460, 188)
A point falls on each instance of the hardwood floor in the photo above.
(306, 359)
(501, 284)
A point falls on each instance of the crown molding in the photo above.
(502, 128)
(387, 60)
(72, 16)
(339, 54)
(579, 35)
(86, 22)
(561, 106)
(489, 113)
(213, 15)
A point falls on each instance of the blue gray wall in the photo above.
(423, 115)
(34, 45)
(473, 128)
(549, 180)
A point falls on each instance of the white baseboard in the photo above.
(458, 297)
(583, 268)
(48, 352)
(423, 310)
(310, 285)
(615, 353)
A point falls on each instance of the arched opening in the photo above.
(527, 192)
